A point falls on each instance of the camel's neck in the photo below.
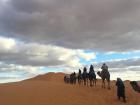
(99, 74)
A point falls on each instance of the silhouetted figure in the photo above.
(105, 75)
(92, 76)
(120, 89)
(135, 86)
(85, 76)
(67, 78)
(80, 77)
(73, 78)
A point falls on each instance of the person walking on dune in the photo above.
(120, 89)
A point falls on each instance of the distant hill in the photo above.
(51, 76)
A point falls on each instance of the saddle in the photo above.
(92, 74)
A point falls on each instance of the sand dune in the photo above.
(50, 89)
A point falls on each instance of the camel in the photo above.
(92, 76)
(67, 78)
(80, 77)
(85, 76)
(104, 76)
(73, 78)
(135, 86)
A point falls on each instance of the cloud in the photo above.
(123, 63)
(86, 55)
(14, 72)
(29, 59)
(23, 60)
(15, 68)
(109, 25)
(6, 44)
(35, 54)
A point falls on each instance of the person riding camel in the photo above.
(92, 76)
(104, 68)
(80, 77)
(104, 74)
(91, 68)
(80, 71)
(91, 72)
(85, 76)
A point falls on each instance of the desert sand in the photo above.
(50, 89)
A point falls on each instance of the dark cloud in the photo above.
(109, 25)
(25, 59)
(121, 65)
(124, 63)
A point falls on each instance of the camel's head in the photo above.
(99, 73)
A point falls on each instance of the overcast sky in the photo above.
(38, 36)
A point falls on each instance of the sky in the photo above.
(40, 36)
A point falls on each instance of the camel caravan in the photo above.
(89, 78)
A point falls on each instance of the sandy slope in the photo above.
(50, 89)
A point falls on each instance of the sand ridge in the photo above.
(50, 89)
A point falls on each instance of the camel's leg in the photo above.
(84, 81)
(103, 84)
(79, 81)
(108, 84)
(90, 82)
(94, 82)
(87, 81)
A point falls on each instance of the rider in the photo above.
(85, 70)
(91, 69)
(80, 71)
(104, 68)
(80, 74)
(92, 76)
(105, 74)
(85, 75)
